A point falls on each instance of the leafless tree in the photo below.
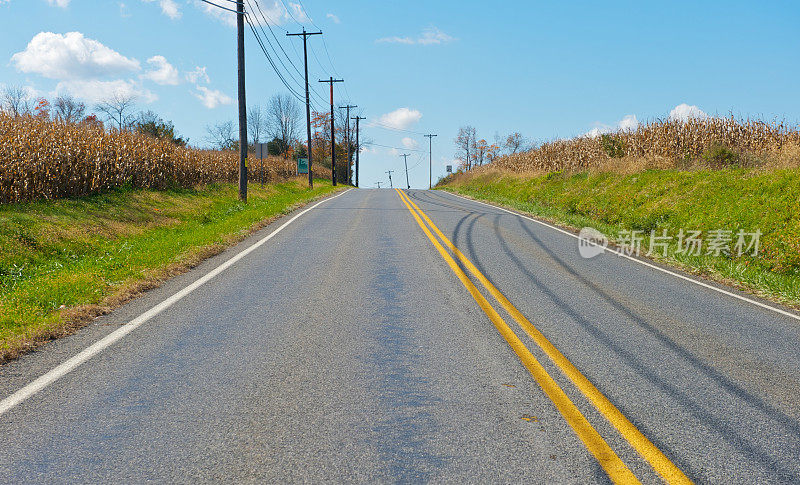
(16, 101)
(466, 146)
(68, 109)
(222, 135)
(256, 124)
(283, 118)
(118, 109)
(515, 143)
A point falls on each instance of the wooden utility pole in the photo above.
(333, 132)
(430, 160)
(347, 137)
(358, 146)
(242, 103)
(405, 160)
(308, 102)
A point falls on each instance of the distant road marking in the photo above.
(645, 263)
(660, 463)
(71, 364)
(597, 446)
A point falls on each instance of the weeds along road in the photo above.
(413, 337)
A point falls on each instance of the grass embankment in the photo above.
(729, 199)
(64, 262)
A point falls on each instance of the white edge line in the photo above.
(644, 263)
(72, 363)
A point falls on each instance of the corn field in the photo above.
(43, 159)
(677, 142)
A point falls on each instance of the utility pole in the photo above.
(347, 137)
(430, 160)
(379, 184)
(358, 146)
(333, 132)
(242, 103)
(405, 160)
(390, 178)
(308, 102)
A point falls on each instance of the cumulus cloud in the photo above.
(429, 36)
(272, 12)
(198, 75)
(168, 8)
(96, 91)
(71, 56)
(627, 123)
(59, 3)
(212, 98)
(409, 143)
(162, 72)
(400, 118)
(333, 18)
(683, 112)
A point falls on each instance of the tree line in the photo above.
(472, 151)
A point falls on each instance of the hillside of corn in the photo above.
(701, 175)
(66, 261)
(42, 158)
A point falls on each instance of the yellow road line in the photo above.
(660, 463)
(611, 463)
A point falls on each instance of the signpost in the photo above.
(261, 154)
(302, 165)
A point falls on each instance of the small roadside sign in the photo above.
(261, 150)
(449, 169)
(302, 165)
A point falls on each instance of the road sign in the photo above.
(261, 150)
(302, 165)
(449, 169)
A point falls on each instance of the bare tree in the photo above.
(222, 135)
(466, 146)
(118, 109)
(256, 124)
(68, 109)
(16, 101)
(515, 143)
(283, 118)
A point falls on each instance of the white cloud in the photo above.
(683, 112)
(95, 91)
(409, 143)
(333, 18)
(212, 98)
(198, 75)
(429, 36)
(71, 56)
(163, 72)
(59, 3)
(272, 12)
(628, 123)
(400, 118)
(168, 8)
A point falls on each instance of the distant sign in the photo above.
(302, 165)
(449, 169)
(261, 150)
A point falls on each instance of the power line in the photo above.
(396, 148)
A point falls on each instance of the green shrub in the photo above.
(719, 155)
(612, 145)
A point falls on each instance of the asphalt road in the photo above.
(347, 348)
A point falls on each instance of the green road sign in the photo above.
(302, 165)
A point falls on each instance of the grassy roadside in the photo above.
(64, 262)
(729, 199)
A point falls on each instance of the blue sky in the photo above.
(545, 69)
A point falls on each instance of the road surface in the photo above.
(357, 345)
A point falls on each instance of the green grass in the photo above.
(730, 199)
(64, 261)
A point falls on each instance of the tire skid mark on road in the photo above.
(597, 446)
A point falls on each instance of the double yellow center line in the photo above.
(597, 446)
